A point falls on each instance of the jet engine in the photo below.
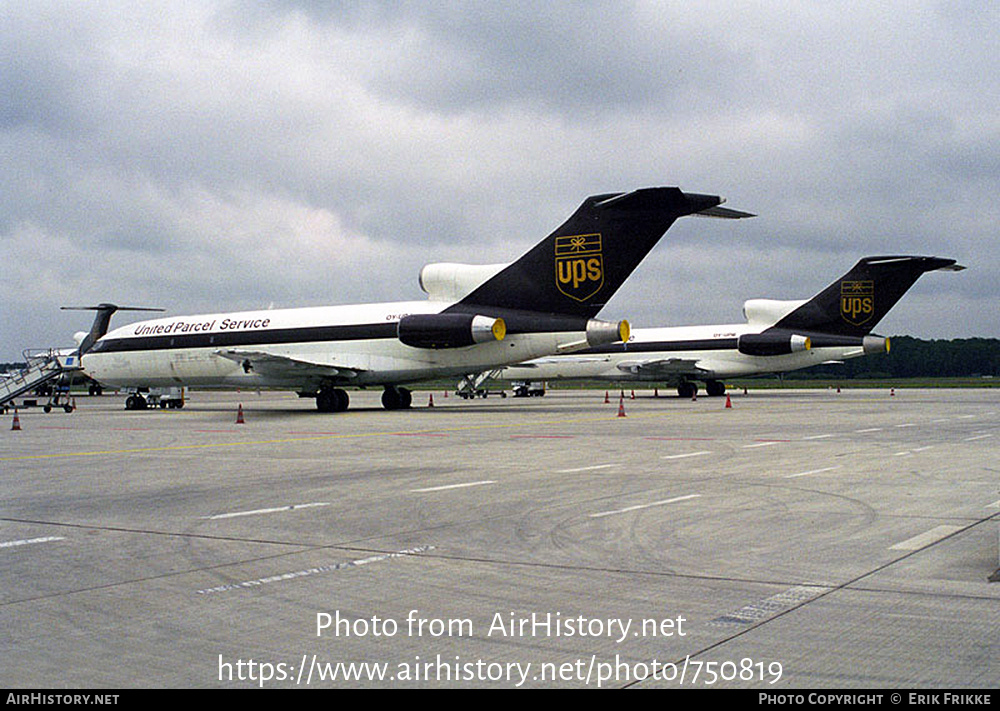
(874, 345)
(449, 330)
(772, 344)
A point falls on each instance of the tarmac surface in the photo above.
(799, 539)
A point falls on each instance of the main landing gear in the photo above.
(336, 399)
(689, 389)
(332, 400)
(395, 398)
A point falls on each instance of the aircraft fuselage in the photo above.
(358, 345)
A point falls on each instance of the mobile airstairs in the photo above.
(43, 367)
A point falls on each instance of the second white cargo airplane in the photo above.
(476, 317)
(778, 336)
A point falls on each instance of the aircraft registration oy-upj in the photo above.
(476, 318)
(778, 336)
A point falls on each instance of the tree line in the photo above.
(910, 357)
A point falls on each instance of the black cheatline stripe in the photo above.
(245, 338)
(703, 344)
(522, 323)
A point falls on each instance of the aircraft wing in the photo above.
(281, 366)
(663, 367)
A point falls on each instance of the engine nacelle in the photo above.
(449, 330)
(873, 345)
(601, 333)
(772, 344)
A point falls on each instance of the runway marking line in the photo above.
(685, 456)
(255, 512)
(639, 507)
(812, 471)
(925, 539)
(770, 606)
(282, 577)
(29, 541)
(584, 469)
(453, 486)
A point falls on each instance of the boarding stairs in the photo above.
(43, 366)
(471, 385)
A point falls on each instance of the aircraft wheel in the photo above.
(687, 389)
(332, 400)
(715, 387)
(396, 398)
(390, 399)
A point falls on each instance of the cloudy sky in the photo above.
(210, 156)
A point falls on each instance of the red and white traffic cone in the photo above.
(239, 415)
(621, 406)
(16, 425)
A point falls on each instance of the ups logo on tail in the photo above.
(857, 301)
(579, 266)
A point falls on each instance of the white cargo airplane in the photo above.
(476, 317)
(778, 336)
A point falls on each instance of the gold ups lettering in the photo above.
(857, 301)
(579, 266)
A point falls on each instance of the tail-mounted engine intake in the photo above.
(449, 330)
(772, 344)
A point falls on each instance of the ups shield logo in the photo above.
(857, 301)
(579, 266)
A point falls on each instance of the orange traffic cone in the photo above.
(621, 406)
(16, 425)
(729, 403)
(606, 400)
(656, 392)
(430, 400)
(633, 395)
(239, 415)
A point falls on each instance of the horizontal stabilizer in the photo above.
(724, 213)
(102, 320)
